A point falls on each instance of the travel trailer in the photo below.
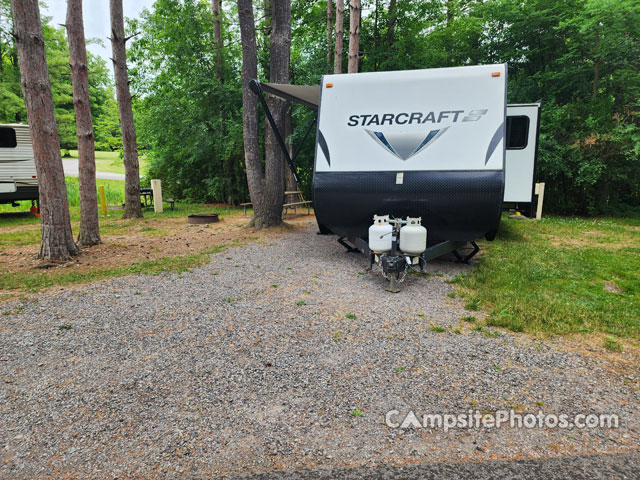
(423, 149)
(18, 178)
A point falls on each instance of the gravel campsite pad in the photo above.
(279, 356)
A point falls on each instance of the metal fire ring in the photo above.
(200, 218)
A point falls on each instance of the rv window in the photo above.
(7, 137)
(517, 132)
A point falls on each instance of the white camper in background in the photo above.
(18, 178)
(523, 125)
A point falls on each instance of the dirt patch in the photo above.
(128, 242)
(612, 287)
(589, 238)
(592, 346)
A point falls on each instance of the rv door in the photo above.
(523, 124)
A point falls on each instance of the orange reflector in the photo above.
(495, 74)
(329, 85)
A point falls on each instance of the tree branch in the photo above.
(131, 36)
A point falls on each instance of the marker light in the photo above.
(329, 85)
(495, 74)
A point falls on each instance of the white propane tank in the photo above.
(380, 234)
(413, 237)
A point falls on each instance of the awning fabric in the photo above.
(307, 95)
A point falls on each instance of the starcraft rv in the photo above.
(420, 144)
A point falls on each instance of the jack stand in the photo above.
(466, 259)
(372, 260)
(349, 248)
(393, 286)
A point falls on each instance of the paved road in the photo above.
(71, 170)
(585, 467)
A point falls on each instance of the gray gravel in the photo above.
(585, 467)
(250, 364)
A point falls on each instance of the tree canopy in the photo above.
(12, 107)
(580, 57)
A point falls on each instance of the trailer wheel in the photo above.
(491, 235)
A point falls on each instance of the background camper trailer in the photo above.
(18, 179)
(420, 152)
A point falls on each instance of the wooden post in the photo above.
(156, 186)
(103, 201)
(540, 192)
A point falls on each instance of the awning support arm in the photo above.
(304, 139)
(255, 88)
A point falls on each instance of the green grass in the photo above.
(437, 329)
(560, 275)
(612, 345)
(113, 189)
(112, 163)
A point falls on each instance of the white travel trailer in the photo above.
(18, 178)
(422, 144)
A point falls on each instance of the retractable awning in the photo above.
(307, 95)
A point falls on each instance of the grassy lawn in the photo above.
(112, 163)
(113, 189)
(560, 275)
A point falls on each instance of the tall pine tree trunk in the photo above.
(266, 189)
(57, 238)
(253, 162)
(354, 35)
(217, 37)
(129, 143)
(279, 52)
(337, 59)
(89, 226)
(329, 34)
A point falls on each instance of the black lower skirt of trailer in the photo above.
(27, 192)
(454, 205)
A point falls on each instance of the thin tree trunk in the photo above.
(129, 143)
(89, 226)
(596, 66)
(217, 37)
(393, 16)
(253, 163)
(375, 38)
(329, 34)
(354, 35)
(289, 182)
(57, 238)
(266, 35)
(337, 59)
(279, 53)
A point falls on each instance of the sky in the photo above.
(96, 19)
